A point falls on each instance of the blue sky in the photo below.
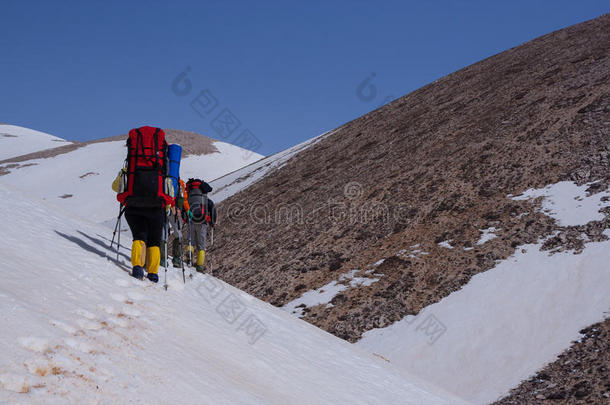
(266, 74)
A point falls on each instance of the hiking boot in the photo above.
(200, 269)
(176, 262)
(137, 272)
(154, 277)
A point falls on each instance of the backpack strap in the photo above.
(156, 149)
(139, 142)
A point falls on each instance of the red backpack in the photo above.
(146, 169)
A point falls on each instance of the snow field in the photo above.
(78, 329)
(16, 141)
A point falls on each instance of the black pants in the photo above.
(146, 224)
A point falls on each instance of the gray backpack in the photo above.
(197, 191)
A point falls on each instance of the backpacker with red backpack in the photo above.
(197, 191)
(146, 180)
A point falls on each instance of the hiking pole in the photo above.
(211, 248)
(118, 245)
(182, 262)
(179, 226)
(190, 245)
(116, 226)
(166, 231)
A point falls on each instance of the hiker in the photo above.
(173, 225)
(146, 192)
(175, 221)
(202, 213)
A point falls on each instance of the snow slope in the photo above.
(243, 178)
(508, 322)
(17, 141)
(76, 328)
(79, 181)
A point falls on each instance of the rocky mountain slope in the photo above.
(421, 182)
(433, 166)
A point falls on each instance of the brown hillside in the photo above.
(435, 165)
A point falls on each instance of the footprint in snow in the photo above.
(78, 345)
(63, 326)
(34, 344)
(84, 313)
(89, 324)
(118, 297)
(15, 383)
(119, 321)
(110, 310)
(136, 296)
(121, 282)
(131, 311)
(49, 366)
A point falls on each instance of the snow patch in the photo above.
(412, 253)
(486, 235)
(568, 203)
(311, 298)
(327, 292)
(446, 244)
